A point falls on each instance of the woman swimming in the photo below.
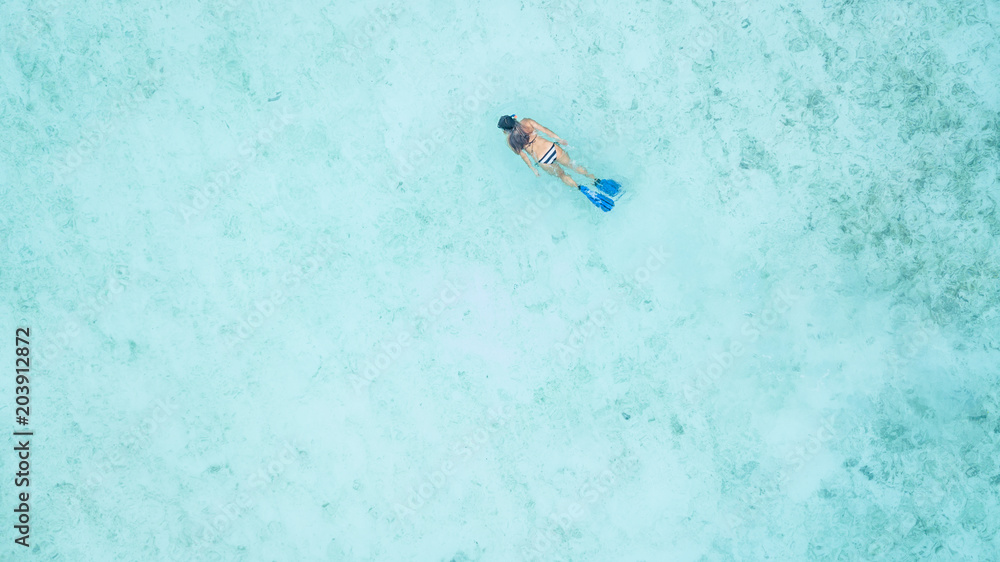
(523, 139)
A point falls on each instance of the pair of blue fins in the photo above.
(605, 194)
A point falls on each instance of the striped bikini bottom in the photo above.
(550, 156)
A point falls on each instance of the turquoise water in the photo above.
(291, 298)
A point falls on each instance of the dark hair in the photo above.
(517, 137)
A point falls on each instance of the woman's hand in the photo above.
(536, 172)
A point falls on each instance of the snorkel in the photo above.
(507, 122)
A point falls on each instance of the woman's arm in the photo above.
(537, 126)
(524, 156)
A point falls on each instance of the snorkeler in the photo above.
(523, 139)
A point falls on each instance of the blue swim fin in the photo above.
(602, 201)
(610, 187)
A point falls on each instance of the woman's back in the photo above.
(523, 137)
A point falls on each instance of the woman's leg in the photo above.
(555, 170)
(564, 159)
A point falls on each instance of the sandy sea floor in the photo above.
(292, 298)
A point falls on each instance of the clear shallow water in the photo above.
(347, 324)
